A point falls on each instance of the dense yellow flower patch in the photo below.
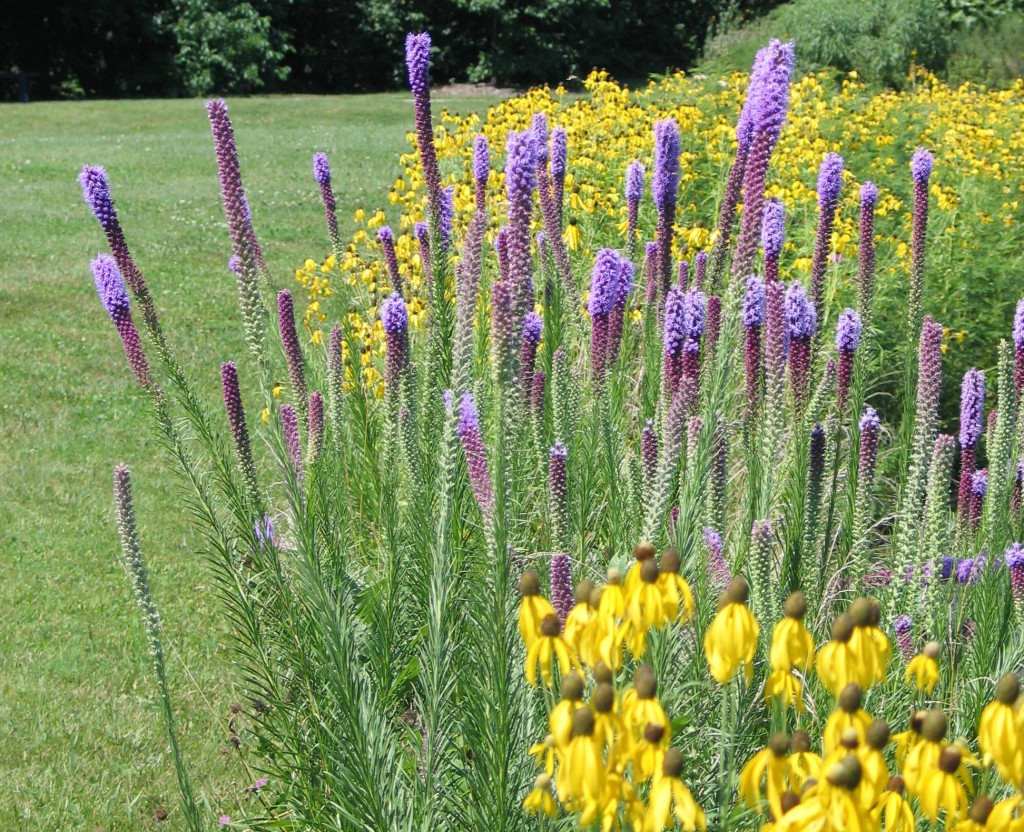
(974, 133)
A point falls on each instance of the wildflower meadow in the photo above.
(659, 466)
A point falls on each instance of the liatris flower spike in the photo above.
(920, 171)
(847, 338)
(773, 235)
(1018, 342)
(866, 250)
(114, 298)
(394, 317)
(830, 186)
(559, 495)
(468, 431)
(904, 641)
(604, 292)
(533, 326)
(292, 350)
(481, 169)
(1014, 558)
(387, 244)
(754, 310)
(322, 175)
(634, 192)
(417, 61)
(972, 420)
(801, 324)
(664, 190)
(239, 430)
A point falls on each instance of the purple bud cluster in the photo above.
(115, 301)
(468, 431)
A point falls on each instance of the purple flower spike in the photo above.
(1018, 341)
(96, 190)
(114, 298)
(468, 431)
(979, 482)
(866, 249)
(290, 428)
(394, 318)
(664, 189)
(830, 181)
(559, 155)
(561, 587)
(559, 495)
(321, 170)
(1014, 557)
(533, 326)
(387, 243)
(417, 60)
(714, 323)
(870, 427)
(972, 407)
(539, 127)
(292, 350)
(847, 338)
(773, 235)
(801, 319)
(921, 165)
(520, 183)
(315, 426)
(719, 573)
(649, 456)
(604, 293)
(236, 421)
(868, 194)
(481, 168)
(904, 641)
(754, 303)
(700, 269)
(652, 260)
(446, 215)
(634, 182)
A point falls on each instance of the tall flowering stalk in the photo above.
(617, 317)
(648, 457)
(921, 172)
(812, 508)
(520, 182)
(718, 475)
(651, 259)
(866, 250)
(322, 175)
(773, 235)
(665, 191)
(830, 187)
(386, 238)
(634, 193)
(114, 298)
(719, 573)
(562, 598)
(551, 189)
(604, 293)
(762, 585)
(533, 326)
(1014, 559)
(801, 325)
(754, 311)
(559, 164)
(902, 626)
(503, 334)
(1018, 343)
(249, 262)
(847, 339)
(335, 384)
(292, 443)
(685, 319)
(775, 340)
(979, 488)
(929, 382)
(700, 269)
(713, 328)
(417, 61)
(239, 429)
(935, 534)
(315, 427)
(292, 349)
(558, 496)
(972, 420)
(96, 190)
(421, 231)
(394, 318)
(768, 114)
(870, 430)
(468, 431)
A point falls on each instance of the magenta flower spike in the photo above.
(665, 189)
(292, 350)
(719, 574)
(559, 165)
(322, 175)
(848, 333)
(617, 317)
(558, 492)
(972, 421)
(394, 318)
(561, 586)
(649, 457)
(417, 61)
(533, 326)
(1014, 559)
(604, 293)
(920, 171)
(651, 260)
(830, 188)
(801, 325)
(754, 312)
(700, 269)
(236, 422)
(979, 488)
(315, 427)
(114, 298)
(290, 429)
(481, 169)
(421, 232)
(1018, 343)
(773, 235)
(468, 431)
(634, 193)
(520, 183)
(866, 250)
(714, 325)
(902, 626)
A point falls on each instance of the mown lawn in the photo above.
(81, 744)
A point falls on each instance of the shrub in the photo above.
(530, 433)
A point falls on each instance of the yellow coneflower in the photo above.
(560, 721)
(923, 668)
(613, 600)
(892, 810)
(547, 647)
(875, 769)
(802, 764)
(544, 753)
(618, 792)
(571, 235)
(609, 728)
(648, 752)
(869, 642)
(731, 640)
(978, 817)
(792, 644)
(940, 790)
(645, 609)
(770, 765)
(644, 551)
(1008, 814)
(579, 617)
(924, 755)
(906, 740)
(582, 772)
(838, 663)
(848, 715)
(540, 800)
(670, 797)
(674, 588)
(640, 706)
(1001, 731)
(533, 609)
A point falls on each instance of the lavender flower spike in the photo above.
(847, 338)
(239, 430)
(562, 598)
(292, 350)
(394, 318)
(559, 496)
(972, 420)
(664, 189)
(1018, 343)
(719, 572)
(322, 175)
(904, 641)
(421, 231)
(754, 310)
(520, 183)
(468, 431)
(1014, 558)
(634, 192)
(866, 250)
(773, 235)
(290, 428)
(387, 243)
(533, 326)
(114, 298)
(604, 292)
(920, 171)
(830, 186)
(481, 169)
(801, 324)
(417, 61)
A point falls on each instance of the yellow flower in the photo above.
(785, 686)
(645, 609)
(265, 415)
(617, 789)
(1008, 814)
(1001, 731)
(979, 816)
(571, 235)
(582, 773)
(533, 608)
(640, 706)
(609, 728)
(849, 715)
(544, 753)
(838, 664)
(833, 804)
(770, 765)
(670, 797)
(868, 642)
(643, 551)
(613, 600)
(802, 764)
(731, 639)
(923, 668)
(924, 755)
(792, 645)
(892, 810)
(540, 801)
(547, 647)
(875, 769)
(560, 721)
(276, 389)
(648, 752)
(674, 588)
(579, 617)
(939, 789)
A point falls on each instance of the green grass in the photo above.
(83, 746)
